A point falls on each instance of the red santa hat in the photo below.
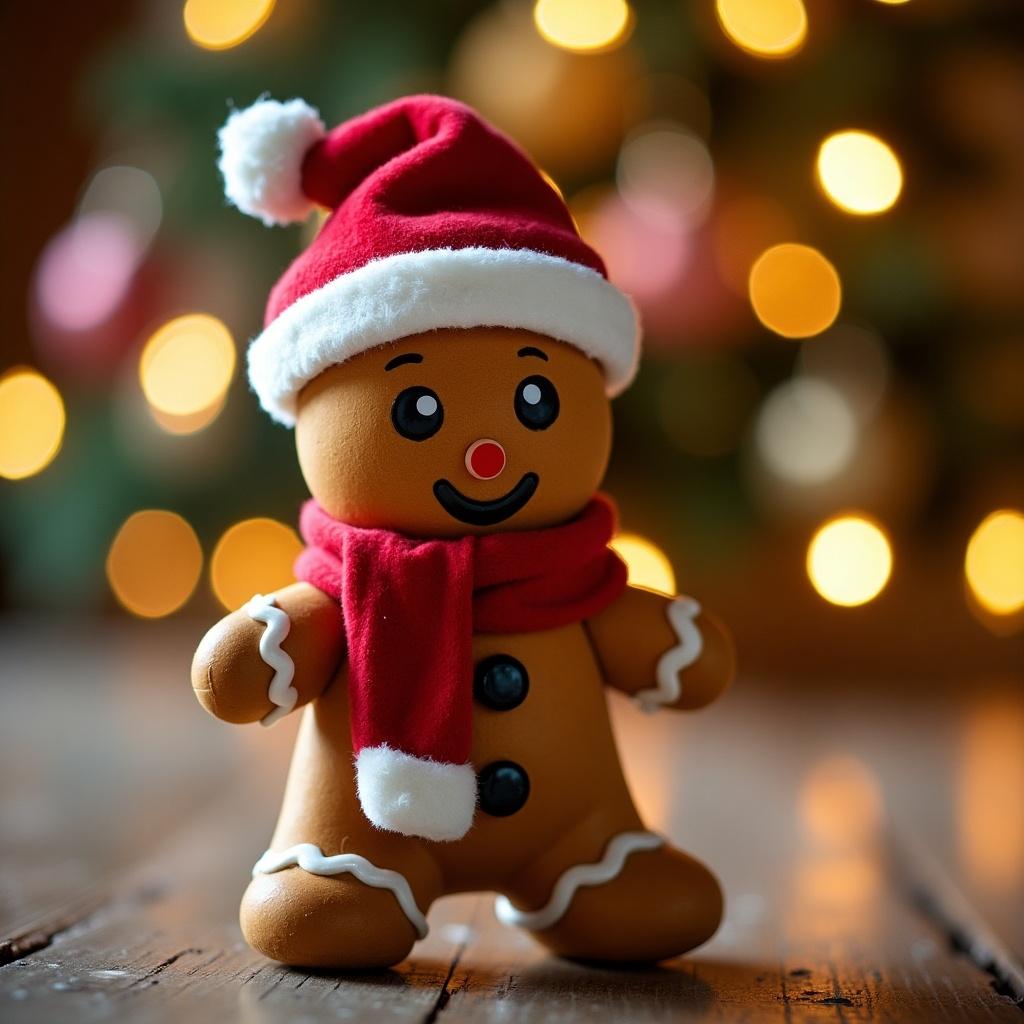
(438, 220)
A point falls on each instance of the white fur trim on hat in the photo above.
(391, 298)
(261, 154)
(415, 796)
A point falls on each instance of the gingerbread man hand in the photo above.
(276, 653)
(662, 651)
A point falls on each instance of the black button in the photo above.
(501, 682)
(504, 787)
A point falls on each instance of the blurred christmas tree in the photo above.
(814, 203)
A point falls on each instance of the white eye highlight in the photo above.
(426, 405)
(531, 394)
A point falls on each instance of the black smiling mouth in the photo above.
(485, 513)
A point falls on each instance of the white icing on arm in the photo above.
(281, 692)
(311, 859)
(681, 613)
(609, 866)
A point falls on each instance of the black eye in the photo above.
(536, 403)
(417, 413)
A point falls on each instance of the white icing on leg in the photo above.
(281, 692)
(681, 613)
(609, 866)
(309, 858)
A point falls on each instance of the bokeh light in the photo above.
(32, 423)
(187, 365)
(765, 28)
(154, 563)
(221, 24)
(994, 564)
(254, 556)
(129, 193)
(665, 173)
(648, 565)
(84, 273)
(583, 25)
(806, 433)
(794, 290)
(859, 172)
(849, 560)
(645, 257)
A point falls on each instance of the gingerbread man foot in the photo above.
(306, 909)
(660, 904)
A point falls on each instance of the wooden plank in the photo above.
(817, 926)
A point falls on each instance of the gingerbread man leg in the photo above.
(332, 891)
(639, 900)
(345, 910)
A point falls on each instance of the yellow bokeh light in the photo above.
(187, 365)
(647, 564)
(583, 26)
(765, 28)
(849, 560)
(221, 24)
(32, 423)
(994, 564)
(859, 172)
(154, 563)
(254, 556)
(794, 290)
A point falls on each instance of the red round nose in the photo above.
(485, 459)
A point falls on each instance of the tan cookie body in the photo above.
(574, 863)
(661, 904)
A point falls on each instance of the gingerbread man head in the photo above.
(447, 345)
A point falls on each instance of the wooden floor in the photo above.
(871, 846)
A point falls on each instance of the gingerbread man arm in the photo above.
(662, 651)
(276, 653)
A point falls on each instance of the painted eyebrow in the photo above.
(408, 357)
(531, 351)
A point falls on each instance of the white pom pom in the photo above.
(261, 152)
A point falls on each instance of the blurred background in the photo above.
(817, 205)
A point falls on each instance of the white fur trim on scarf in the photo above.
(261, 154)
(415, 796)
(608, 867)
(310, 858)
(391, 298)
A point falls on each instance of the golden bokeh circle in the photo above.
(32, 421)
(254, 556)
(222, 24)
(859, 172)
(764, 28)
(648, 565)
(849, 560)
(794, 290)
(994, 562)
(154, 563)
(187, 365)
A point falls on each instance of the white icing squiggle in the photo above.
(681, 613)
(281, 692)
(605, 870)
(309, 858)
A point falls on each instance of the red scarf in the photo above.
(411, 607)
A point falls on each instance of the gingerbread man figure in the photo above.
(445, 350)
